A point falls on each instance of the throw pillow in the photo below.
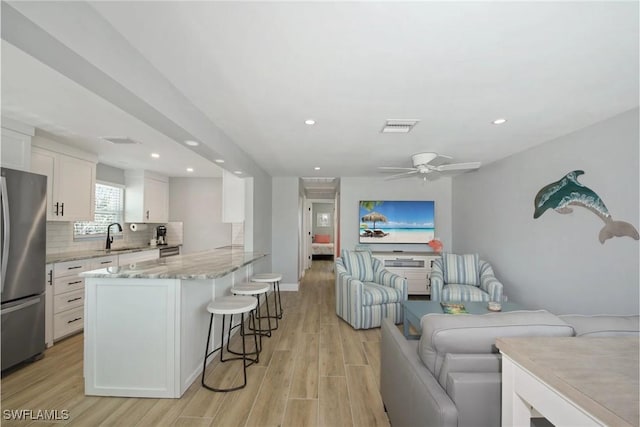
(322, 238)
(359, 264)
(461, 269)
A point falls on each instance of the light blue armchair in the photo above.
(366, 292)
(464, 278)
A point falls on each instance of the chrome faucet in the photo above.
(109, 237)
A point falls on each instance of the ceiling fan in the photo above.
(430, 166)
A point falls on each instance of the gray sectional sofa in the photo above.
(452, 375)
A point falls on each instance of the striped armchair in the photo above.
(366, 292)
(464, 278)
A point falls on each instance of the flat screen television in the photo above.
(396, 221)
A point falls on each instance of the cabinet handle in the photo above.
(106, 262)
(75, 320)
(61, 209)
(50, 277)
(73, 268)
(74, 299)
(57, 207)
(147, 214)
(74, 283)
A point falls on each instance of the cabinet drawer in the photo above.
(68, 301)
(69, 268)
(134, 257)
(104, 262)
(68, 322)
(417, 276)
(67, 284)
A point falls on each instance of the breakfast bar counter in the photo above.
(146, 324)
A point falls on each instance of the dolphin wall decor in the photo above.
(566, 192)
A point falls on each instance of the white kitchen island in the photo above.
(146, 324)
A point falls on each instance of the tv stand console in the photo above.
(414, 266)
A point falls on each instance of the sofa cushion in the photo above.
(467, 333)
(461, 269)
(359, 264)
(455, 292)
(375, 294)
(603, 325)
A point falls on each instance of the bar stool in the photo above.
(230, 306)
(255, 290)
(273, 278)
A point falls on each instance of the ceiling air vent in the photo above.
(119, 140)
(399, 126)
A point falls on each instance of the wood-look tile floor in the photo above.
(314, 371)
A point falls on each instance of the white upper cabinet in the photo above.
(16, 145)
(232, 197)
(146, 197)
(70, 185)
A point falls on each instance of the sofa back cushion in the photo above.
(469, 334)
(603, 325)
(359, 264)
(461, 269)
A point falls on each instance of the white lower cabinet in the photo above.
(68, 297)
(64, 309)
(415, 267)
(48, 305)
(130, 259)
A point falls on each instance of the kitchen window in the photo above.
(109, 209)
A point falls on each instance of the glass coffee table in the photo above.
(414, 310)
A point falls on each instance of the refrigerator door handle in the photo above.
(31, 302)
(6, 229)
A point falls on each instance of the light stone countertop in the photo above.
(600, 374)
(97, 253)
(210, 264)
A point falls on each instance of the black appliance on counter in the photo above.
(161, 235)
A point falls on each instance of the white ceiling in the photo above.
(257, 70)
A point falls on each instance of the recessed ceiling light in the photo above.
(219, 161)
(310, 122)
(499, 121)
(317, 168)
(189, 169)
(155, 155)
(192, 143)
(238, 172)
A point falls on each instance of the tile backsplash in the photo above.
(60, 237)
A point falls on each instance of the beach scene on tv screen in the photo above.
(396, 221)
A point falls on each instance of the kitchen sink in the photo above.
(117, 250)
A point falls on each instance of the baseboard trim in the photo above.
(289, 287)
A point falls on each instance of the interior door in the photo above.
(308, 225)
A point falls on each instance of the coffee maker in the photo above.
(161, 235)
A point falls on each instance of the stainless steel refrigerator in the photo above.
(23, 240)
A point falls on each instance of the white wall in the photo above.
(556, 261)
(284, 248)
(354, 189)
(197, 202)
(259, 228)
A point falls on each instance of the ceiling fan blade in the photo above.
(386, 169)
(439, 160)
(458, 167)
(401, 175)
